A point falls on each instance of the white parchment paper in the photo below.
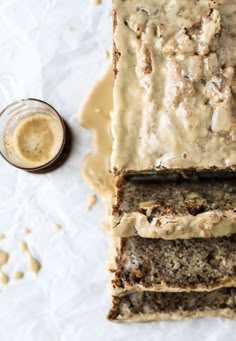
(53, 50)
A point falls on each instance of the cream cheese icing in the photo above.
(215, 223)
(175, 87)
(94, 114)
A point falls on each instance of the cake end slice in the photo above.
(153, 306)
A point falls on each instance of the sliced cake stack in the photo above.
(173, 124)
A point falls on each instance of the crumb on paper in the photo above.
(23, 246)
(91, 202)
(2, 236)
(105, 225)
(4, 279)
(96, 2)
(72, 28)
(4, 256)
(17, 275)
(107, 53)
(98, 110)
(57, 226)
(33, 263)
(26, 230)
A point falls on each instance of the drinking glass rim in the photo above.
(45, 165)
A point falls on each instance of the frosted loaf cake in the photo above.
(173, 153)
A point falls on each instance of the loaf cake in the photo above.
(174, 157)
(199, 264)
(149, 306)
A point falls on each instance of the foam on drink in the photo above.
(37, 139)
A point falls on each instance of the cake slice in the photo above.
(199, 264)
(175, 86)
(175, 204)
(149, 306)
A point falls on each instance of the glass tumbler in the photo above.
(33, 136)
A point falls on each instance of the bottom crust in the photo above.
(154, 306)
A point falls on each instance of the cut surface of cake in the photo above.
(151, 306)
(175, 85)
(174, 204)
(199, 264)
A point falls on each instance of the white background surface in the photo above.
(53, 50)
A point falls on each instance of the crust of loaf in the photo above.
(145, 307)
(226, 313)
